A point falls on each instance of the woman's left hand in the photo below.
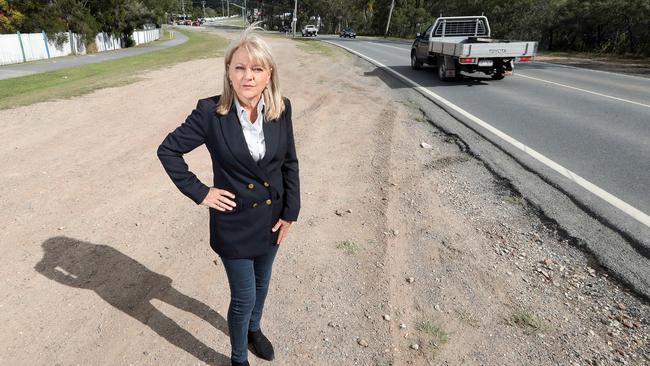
(283, 226)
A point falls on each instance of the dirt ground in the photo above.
(403, 254)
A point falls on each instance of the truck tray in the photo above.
(484, 49)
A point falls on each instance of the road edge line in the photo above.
(559, 84)
(583, 90)
(628, 209)
(593, 70)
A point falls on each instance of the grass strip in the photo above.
(527, 321)
(595, 56)
(232, 22)
(433, 330)
(79, 80)
(318, 48)
(347, 246)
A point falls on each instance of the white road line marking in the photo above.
(546, 63)
(554, 83)
(599, 192)
(592, 70)
(542, 62)
(387, 45)
(583, 90)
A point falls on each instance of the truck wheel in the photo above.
(415, 64)
(498, 75)
(442, 71)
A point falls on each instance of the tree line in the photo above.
(84, 17)
(602, 26)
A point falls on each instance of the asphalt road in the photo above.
(595, 124)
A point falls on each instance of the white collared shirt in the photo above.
(253, 132)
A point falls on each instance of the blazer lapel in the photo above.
(236, 142)
(271, 140)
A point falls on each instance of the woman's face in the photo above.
(248, 78)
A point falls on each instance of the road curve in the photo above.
(595, 124)
(583, 134)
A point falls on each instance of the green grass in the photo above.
(597, 56)
(318, 48)
(390, 38)
(84, 79)
(276, 34)
(515, 200)
(433, 330)
(233, 22)
(347, 246)
(528, 321)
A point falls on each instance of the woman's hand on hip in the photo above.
(219, 199)
(283, 226)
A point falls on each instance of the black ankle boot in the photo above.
(260, 345)
(245, 363)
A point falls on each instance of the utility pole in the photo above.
(183, 6)
(261, 11)
(228, 6)
(203, 5)
(294, 21)
(222, 9)
(243, 11)
(390, 13)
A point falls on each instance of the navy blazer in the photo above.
(264, 191)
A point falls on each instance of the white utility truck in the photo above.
(310, 30)
(455, 44)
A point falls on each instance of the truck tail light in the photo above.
(467, 60)
(524, 59)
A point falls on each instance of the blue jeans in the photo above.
(249, 283)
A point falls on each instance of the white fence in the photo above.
(16, 48)
(145, 36)
(107, 42)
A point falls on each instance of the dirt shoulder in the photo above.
(403, 254)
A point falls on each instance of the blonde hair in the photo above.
(260, 53)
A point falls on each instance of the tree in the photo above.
(57, 16)
(611, 26)
(10, 18)
(77, 18)
(121, 17)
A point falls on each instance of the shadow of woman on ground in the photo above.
(129, 286)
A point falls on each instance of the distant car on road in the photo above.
(285, 29)
(348, 33)
(310, 30)
(196, 23)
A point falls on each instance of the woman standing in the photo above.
(256, 192)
